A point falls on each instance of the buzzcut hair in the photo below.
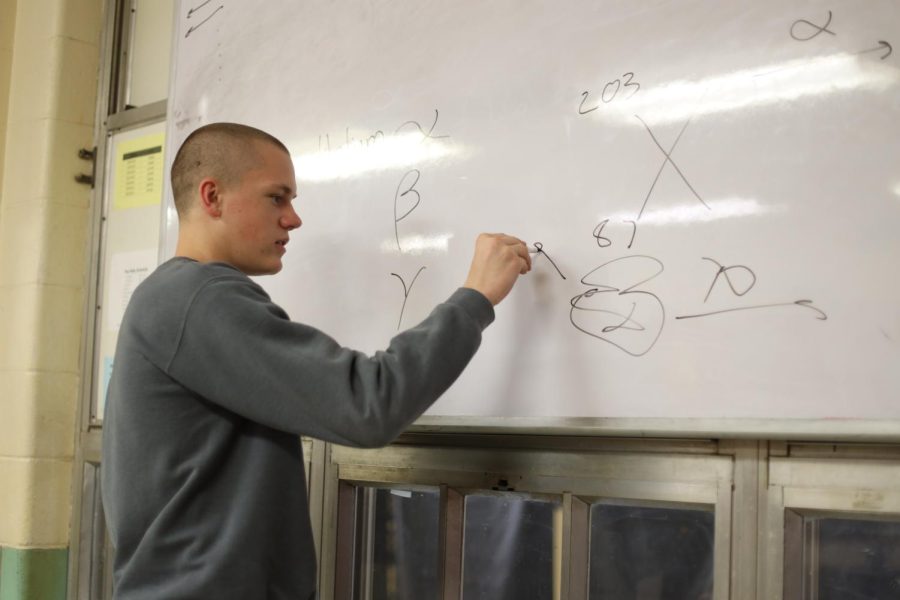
(224, 151)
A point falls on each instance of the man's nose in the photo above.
(291, 220)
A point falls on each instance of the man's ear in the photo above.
(210, 197)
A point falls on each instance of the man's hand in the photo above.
(498, 261)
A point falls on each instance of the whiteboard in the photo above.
(714, 186)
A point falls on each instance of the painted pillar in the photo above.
(48, 88)
(7, 27)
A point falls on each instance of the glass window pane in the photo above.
(851, 558)
(509, 543)
(405, 545)
(150, 51)
(644, 553)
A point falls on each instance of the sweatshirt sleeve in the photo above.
(238, 349)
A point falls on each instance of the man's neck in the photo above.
(194, 244)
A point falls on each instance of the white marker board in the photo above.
(719, 184)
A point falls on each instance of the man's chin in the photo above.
(275, 268)
(259, 271)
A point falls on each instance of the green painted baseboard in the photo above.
(33, 574)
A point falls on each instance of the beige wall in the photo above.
(44, 219)
(7, 28)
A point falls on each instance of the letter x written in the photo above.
(667, 160)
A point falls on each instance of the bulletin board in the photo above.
(130, 236)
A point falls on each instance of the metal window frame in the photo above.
(110, 117)
(87, 442)
(119, 28)
(846, 481)
(95, 578)
(86, 523)
(659, 476)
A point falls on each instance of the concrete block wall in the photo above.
(49, 58)
(7, 26)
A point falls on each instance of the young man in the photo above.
(203, 481)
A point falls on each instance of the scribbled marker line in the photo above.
(605, 242)
(200, 24)
(398, 195)
(881, 47)
(425, 136)
(804, 303)
(539, 247)
(815, 29)
(627, 323)
(668, 159)
(196, 8)
(406, 292)
(723, 270)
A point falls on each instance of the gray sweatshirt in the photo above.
(202, 476)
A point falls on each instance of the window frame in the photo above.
(843, 481)
(615, 471)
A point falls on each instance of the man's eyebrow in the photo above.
(285, 189)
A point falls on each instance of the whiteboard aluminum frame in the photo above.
(838, 430)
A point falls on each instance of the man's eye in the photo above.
(276, 199)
